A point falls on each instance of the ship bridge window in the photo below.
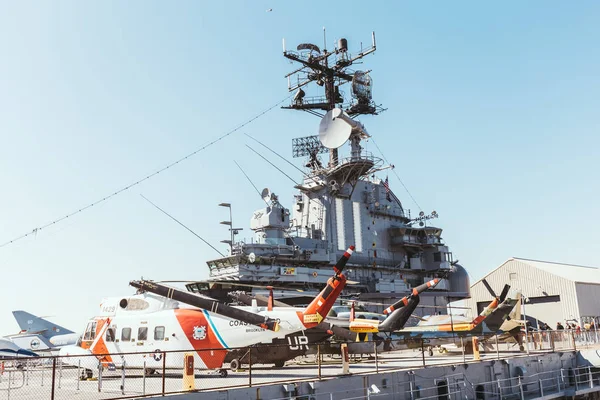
(437, 257)
(159, 333)
(125, 334)
(90, 331)
(110, 334)
(142, 333)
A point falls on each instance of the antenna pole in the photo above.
(231, 229)
(252, 183)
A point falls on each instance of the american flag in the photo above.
(389, 195)
(386, 185)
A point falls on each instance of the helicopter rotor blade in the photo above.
(489, 288)
(206, 304)
(504, 293)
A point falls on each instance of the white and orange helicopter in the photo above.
(152, 322)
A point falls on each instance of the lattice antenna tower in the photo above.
(330, 70)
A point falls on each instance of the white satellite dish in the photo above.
(251, 258)
(333, 130)
(266, 194)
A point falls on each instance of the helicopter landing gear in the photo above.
(86, 374)
(234, 365)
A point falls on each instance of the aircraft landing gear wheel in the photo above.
(234, 365)
(149, 371)
(521, 348)
(279, 364)
(430, 351)
(223, 373)
(442, 350)
(86, 374)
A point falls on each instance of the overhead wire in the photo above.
(181, 223)
(252, 183)
(125, 188)
(395, 173)
(273, 165)
(277, 154)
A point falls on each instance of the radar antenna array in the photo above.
(330, 70)
(307, 146)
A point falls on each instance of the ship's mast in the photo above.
(330, 69)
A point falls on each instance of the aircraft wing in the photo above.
(8, 349)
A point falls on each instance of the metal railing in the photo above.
(136, 375)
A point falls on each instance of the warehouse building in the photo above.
(552, 292)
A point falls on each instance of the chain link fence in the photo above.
(135, 375)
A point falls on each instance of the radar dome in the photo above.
(459, 281)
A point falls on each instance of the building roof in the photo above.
(572, 272)
(575, 273)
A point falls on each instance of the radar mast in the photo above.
(330, 70)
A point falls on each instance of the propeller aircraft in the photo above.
(350, 330)
(153, 322)
(444, 328)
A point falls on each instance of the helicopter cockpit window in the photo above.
(110, 334)
(90, 331)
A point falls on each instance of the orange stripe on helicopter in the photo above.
(202, 337)
(98, 346)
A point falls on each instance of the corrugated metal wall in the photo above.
(588, 297)
(532, 282)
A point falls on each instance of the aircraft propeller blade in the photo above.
(399, 317)
(504, 293)
(206, 304)
(415, 293)
(314, 313)
(339, 266)
(419, 318)
(489, 288)
(265, 286)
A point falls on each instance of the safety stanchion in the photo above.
(345, 359)
(476, 355)
(189, 382)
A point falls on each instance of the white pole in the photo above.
(526, 329)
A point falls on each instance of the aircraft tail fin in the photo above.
(516, 312)
(497, 317)
(34, 324)
(318, 309)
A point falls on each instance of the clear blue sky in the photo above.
(492, 121)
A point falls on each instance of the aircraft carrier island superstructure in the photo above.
(339, 203)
